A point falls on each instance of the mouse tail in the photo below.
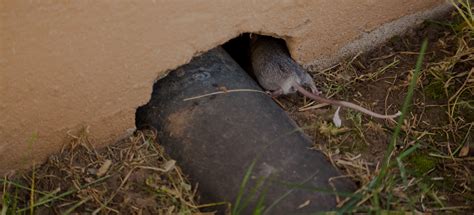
(367, 111)
(344, 104)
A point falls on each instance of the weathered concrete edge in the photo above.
(375, 38)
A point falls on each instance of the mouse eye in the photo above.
(293, 90)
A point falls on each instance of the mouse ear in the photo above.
(292, 90)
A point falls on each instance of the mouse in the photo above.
(279, 74)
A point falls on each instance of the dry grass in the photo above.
(131, 177)
(430, 167)
(429, 170)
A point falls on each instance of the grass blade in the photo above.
(405, 109)
(375, 184)
(236, 209)
(63, 194)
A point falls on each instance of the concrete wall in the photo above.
(66, 65)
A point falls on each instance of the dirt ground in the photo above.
(432, 162)
(439, 125)
(133, 176)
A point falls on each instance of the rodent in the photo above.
(278, 73)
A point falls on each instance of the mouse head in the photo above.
(305, 80)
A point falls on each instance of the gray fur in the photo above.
(279, 74)
(275, 69)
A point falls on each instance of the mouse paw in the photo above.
(315, 90)
(275, 93)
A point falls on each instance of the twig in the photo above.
(63, 194)
(223, 92)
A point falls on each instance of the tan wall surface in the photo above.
(69, 64)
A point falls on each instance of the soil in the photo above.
(133, 176)
(448, 64)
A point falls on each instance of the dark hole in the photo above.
(239, 49)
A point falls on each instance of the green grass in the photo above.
(61, 184)
(376, 185)
(416, 172)
(406, 178)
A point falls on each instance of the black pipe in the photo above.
(215, 139)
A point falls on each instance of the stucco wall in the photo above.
(72, 64)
